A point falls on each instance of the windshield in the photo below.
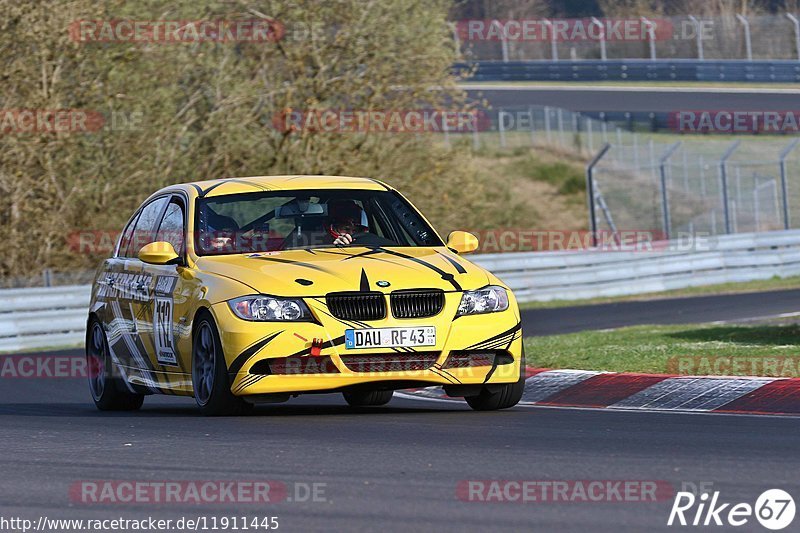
(298, 220)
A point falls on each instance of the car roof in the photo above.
(225, 186)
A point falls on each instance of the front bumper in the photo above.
(276, 357)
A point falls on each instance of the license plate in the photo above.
(355, 339)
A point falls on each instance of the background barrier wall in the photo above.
(34, 318)
(786, 71)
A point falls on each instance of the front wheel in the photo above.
(372, 398)
(212, 388)
(503, 397)
(108, 391)
(507, 396)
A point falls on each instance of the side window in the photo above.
(171, 228)
(127, 234)
(146, 226)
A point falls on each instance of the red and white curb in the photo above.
(652, 392)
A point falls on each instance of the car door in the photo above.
(170, 303)
(128, 284)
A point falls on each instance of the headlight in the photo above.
(491, 299)
(263, 308)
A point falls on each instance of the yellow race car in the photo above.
(245, 290)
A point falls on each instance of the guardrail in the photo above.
(571, 275)
(732, 70)
(43, 317)
(49, 317)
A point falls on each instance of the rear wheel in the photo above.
(212, 388)
(372, 398)
(108, 391)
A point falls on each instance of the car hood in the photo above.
(320, 271)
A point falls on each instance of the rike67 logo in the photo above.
(774, 510)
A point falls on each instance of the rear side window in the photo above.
(171, 229)
(127, 235)
(146, 226)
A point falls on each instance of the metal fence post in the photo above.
(698, 29)
(590, 191)
(547, 122)
(501, 128)
(784, 187)
(553, 41)
(599, 24)
(796, 23)
(503, 40)
(651, 37)
(446, 131)
(532, 115)
(747, 42)
(724, 183)
(662, 168)
(456, 39)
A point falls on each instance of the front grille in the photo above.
(391, 362)
(417, 303)
(357, 305)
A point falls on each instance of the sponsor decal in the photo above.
(163, 311)
(125, 286)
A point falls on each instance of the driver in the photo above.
(347, 225)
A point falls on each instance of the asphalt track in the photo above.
(635, 98)
(695, 309)
(396, 468)
(391, 469)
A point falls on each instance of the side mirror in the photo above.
(462, 242)
(159, 253)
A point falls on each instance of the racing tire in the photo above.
(109, 392)
(506, 396)
(372, 398)
(210, 380)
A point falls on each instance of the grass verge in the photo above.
(744, 350)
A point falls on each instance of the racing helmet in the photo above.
(347, 211)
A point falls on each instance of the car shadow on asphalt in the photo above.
(186, 409)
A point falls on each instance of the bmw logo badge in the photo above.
(383, 283)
